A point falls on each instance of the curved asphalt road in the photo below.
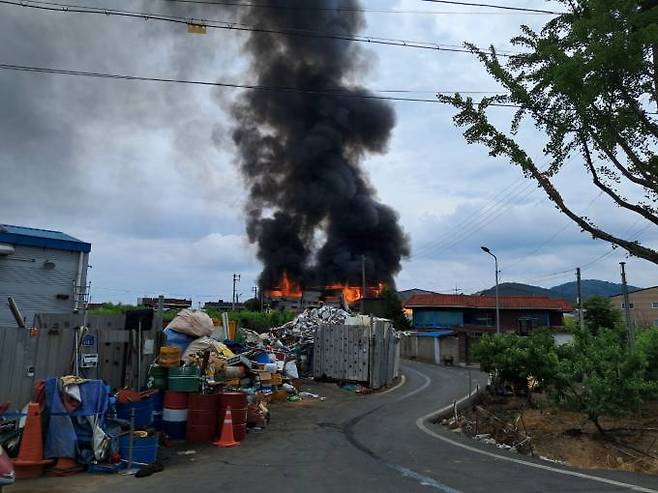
(352, 443)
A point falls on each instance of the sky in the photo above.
(146, 172)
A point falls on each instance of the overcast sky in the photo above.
(146, 171)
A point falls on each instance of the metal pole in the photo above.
(627, 306)
(581, 319)
(497, 298)
(363, 282)
(236, 278)
(139, 355)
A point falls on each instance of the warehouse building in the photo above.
(42, 271)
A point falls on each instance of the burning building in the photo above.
(311, 211)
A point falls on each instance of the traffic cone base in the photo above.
(226, 438)
(66, 466)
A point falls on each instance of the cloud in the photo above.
(146, 171)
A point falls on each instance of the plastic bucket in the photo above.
(157, 377)
(143, 412)
(145, 449)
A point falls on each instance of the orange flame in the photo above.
(354, 293)
(285, 289)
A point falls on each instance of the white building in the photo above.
(42, 271)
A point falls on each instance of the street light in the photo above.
(486, 250)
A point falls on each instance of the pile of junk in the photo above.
(206, 385)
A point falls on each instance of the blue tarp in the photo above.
(66, 429)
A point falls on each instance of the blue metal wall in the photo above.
(438, 318)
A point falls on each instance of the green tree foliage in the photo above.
(646, 343)
(597, 375)
(600, 376)
(588, 80)
(393, 310)
(601, 314)
(513, 359)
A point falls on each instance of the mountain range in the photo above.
(567, 291)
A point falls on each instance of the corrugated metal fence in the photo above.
(368, 354)
(27, 356)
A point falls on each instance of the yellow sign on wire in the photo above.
(196, 28)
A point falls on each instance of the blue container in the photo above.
(143, 412)
(145, 450)
(177, 339)
(158, 405)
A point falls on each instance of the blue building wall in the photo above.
(437, 318)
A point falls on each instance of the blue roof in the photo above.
(435, 333)
(41, 238)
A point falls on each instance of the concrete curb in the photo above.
(461, 404)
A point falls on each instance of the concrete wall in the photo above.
(35, 288)
(430, 349)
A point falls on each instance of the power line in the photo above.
(346, 10)
(495, 6)
(236, 26)
(256, 87)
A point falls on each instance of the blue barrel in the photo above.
(145, 449)
(143, 412)
(158, 405)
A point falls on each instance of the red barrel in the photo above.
(176, 400)
(238, 403)
(202, 418)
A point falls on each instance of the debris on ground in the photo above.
(560, 436)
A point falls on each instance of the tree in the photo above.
(513, 359)
(588, 80)
(600, 376)
(600, 314)
(393, 310)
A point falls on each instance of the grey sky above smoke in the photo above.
(147, 172)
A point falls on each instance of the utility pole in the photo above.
(236, 279)
(363, 283)
(627, 306)
(255, 290)
(581, 319)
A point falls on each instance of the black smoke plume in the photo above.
(310, 209)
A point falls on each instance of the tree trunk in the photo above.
(595, 420)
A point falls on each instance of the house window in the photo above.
(654, 304)
(630, 305)
(526, 325)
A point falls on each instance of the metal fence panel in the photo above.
(49, 352)
(367, 354)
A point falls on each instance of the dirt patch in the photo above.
(631, 444)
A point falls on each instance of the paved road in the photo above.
(352, 443)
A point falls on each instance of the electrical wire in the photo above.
(236, 26)
(346, 10)
(256, 87)
(496, 6)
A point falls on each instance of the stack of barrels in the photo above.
(174, 414)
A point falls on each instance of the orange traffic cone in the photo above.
(30, 461)
(66, 466)
(226, 438)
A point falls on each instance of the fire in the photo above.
(285, 289)
(354, 293)
(288, 288)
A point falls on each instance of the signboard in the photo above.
(89, 360)
(88, 340)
